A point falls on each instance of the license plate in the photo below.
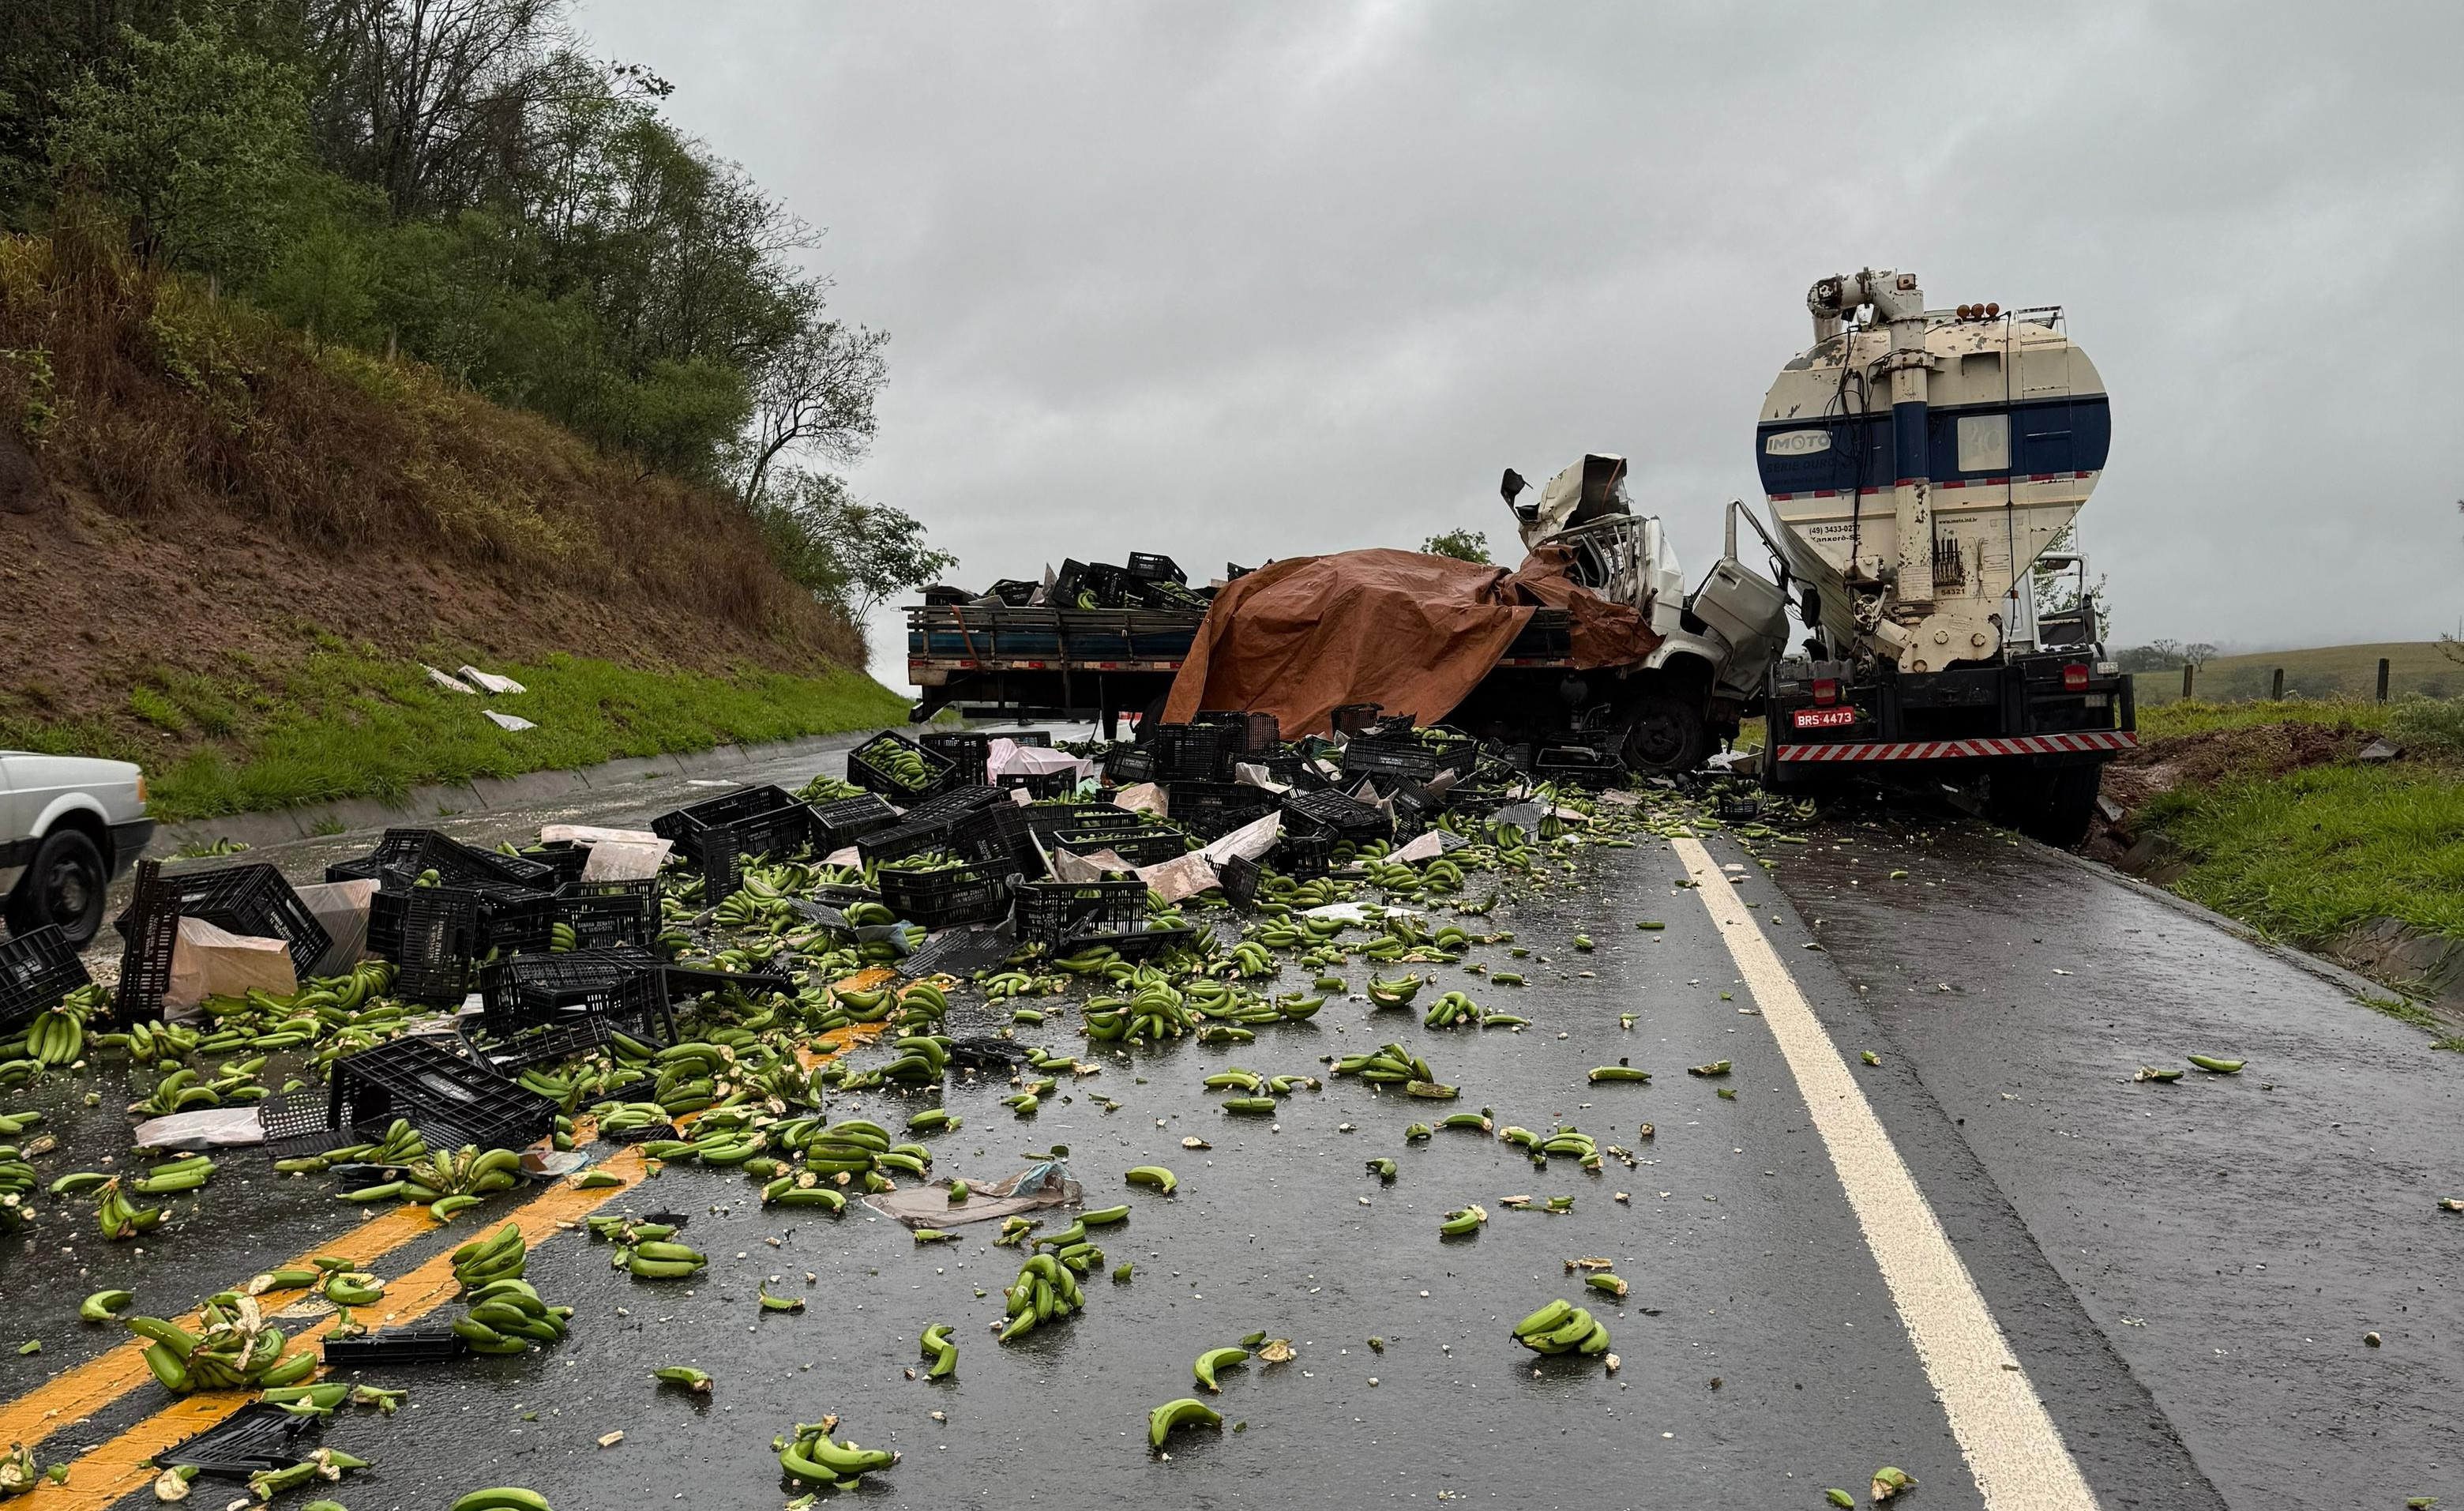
(1823, 718)
(2095, 700)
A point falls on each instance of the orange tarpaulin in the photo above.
(1412, 632)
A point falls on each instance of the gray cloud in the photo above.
(1233, 282)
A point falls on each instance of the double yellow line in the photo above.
(118, 1467)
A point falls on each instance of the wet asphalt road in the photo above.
(2233, 1237)
(1763, 1359)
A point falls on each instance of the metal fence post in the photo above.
(2186, 669)
(2382, 678)
(2277, 692)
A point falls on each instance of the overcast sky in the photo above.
(1239, 281)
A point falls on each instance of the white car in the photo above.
(68, 824)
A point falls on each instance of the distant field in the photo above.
(2341, 671)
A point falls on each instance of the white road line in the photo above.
(2011, 1445)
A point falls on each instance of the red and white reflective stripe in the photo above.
(1944, 484)
(1955, 750)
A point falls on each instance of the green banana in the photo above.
(1161, 1180)
(102, 1306)
(1187, 1411)
(1215, 1359)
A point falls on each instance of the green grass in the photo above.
(348, 723)
(2416, 667)
(2197, 717)
(2306, 855)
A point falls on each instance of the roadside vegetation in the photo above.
(349, 723)
(2306, 843)
(335, 337)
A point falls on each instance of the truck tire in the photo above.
(1666, 735)
(2050, 805)
(64, 886)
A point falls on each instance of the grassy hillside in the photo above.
(229, 547)
(2417, 668)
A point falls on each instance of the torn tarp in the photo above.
(1046, 1183)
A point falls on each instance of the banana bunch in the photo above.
(901, 762)
(1395, 993)
(659, 1259)
(922, 1059)
(869, 914)
(400, 1146)
(450, 1184)
(810, 1456)
(177, 1091)
(237, 1347)
(864, 1004)
(1463, 1221)
(501, 1255)
(507, 1315)
(630, 1117)
(173, 1177)
(1394, 1065)
(803, 1189)
(1073, 1248)
(922, 1007)
(1004, 985)
(121, 1218)
(561, 939)
(1045, 1289)
(1451, 1009)
(1156, 1011)
(1563, 1327)
(17, 1178)
(1249, 958)
(56, 1037)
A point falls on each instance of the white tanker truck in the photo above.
(1917, 464)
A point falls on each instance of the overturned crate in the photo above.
(253, 900)
(36, 971)
(540, 1008)
(449, 1100)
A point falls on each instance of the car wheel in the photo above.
(63, 886)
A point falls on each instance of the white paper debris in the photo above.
(446, 681)
(491, 681)
(625, 859)
(1146, 797)
(509, 720)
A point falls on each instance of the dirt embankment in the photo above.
(186, 484)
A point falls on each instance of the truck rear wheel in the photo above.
(2050, 805)
(1666, 735)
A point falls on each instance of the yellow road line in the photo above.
(78, 1392)
(116, 1468)
(2009, 1439)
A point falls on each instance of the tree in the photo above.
(196, 137)
(2199, 655)
(814, 394)
(837, 549)
(1464, 545)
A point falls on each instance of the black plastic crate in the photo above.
(1144, 845)
(964, 798)
(528, 990)
(36, 971)
(1128, 764)
(145, 960)
(1165, 593)
(1301, 772)
(1301, 856)
(557, 1041)
(449, 1100)
(253, 900)
(720, 847)
(1419, 757)
(1351, 719)
(960, 953)
(1110, 584)
(603, 913)
(969, 893)
(967, 750)
(843, 821)
(512, 921)
(256, 1438)
(455, 863)
(1239, 877)
(911, 838)
(1249, 736)
(679, 825)
(567, 859)
(1212, 810)
(439, 932)
(864, 772)
(1003, 832)
(1335, 815)
(1191, 752)
(421, 1343)
(691, 981)
(1041, 783)
(1053, 913)
(1152, 569)
(1579, 765)
(1014, 591)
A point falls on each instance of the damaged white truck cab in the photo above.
(1717, 643)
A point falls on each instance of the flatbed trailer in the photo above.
(1097, 664)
